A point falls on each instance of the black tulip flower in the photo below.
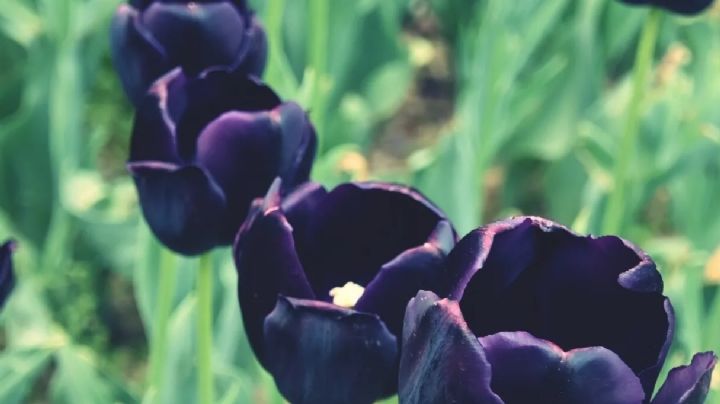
(204, 148)
(536, 313)
(323, 281)
(7, 277)
(150, 38)
(685, 7)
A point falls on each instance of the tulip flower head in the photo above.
(7, 277)
(685, 7)
(150, 38)
(323, 281)
(203, 148)
(536, 313)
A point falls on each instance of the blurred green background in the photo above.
(491, 107)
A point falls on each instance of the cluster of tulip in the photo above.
(363, 291)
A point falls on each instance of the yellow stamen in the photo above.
(348, 295)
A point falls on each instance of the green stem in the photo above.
(276, 9)
(318, 59)
(159, 343)
(278, 72)
(614, 213)
(204, 329)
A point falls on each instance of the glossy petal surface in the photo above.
(236, 131)
(137, 58)
(7, 276)
(419, 268)
(298, 144)
(688, 384)
(321, 353)
(687, 7)
(205, 99)
(196, 35)
(153, 136)
(529, 274)
(356, 229)
(150, 38)
(182, 205)
(241, 151)
(386, 238)
(525, 368)
(267, 267)
(442, 361)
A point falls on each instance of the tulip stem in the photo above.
(204, 329)
(614, 212)
(159, 342)
(318, 59)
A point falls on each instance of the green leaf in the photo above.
(78, 380)
(19, 368)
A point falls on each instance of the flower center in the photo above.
(347, 295)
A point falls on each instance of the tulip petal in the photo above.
(7, 276)
(241, 151)
(359, 227)
(419, 268)
(300, 205)
(322, 353)
(214, 94)
(686, 7)
(442, 361)
(530, 274)
(254, 57)
(138, 59)
(267, 266)
(525, 368)
(182, 205)
(688, 384)
(298, 144)
(197, 35)
(153, 137)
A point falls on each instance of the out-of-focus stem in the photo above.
(318, 62)
(159, 342)
(615, 212)
(275, 13)
(204, 329)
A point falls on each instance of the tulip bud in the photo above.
(150, 38)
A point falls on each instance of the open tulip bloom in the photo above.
(686, 7)
(204, 147)
(536, 314)
(150, 38)
(7, 277)
(323, 281)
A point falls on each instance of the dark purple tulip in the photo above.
(293, 252)
(686, 7)
(150, 38)
(203, 148)
(536, 312)
(7, 277)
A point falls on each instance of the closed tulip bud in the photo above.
(150, 38)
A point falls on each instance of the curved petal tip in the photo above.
(322, 353)
(688, 384)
